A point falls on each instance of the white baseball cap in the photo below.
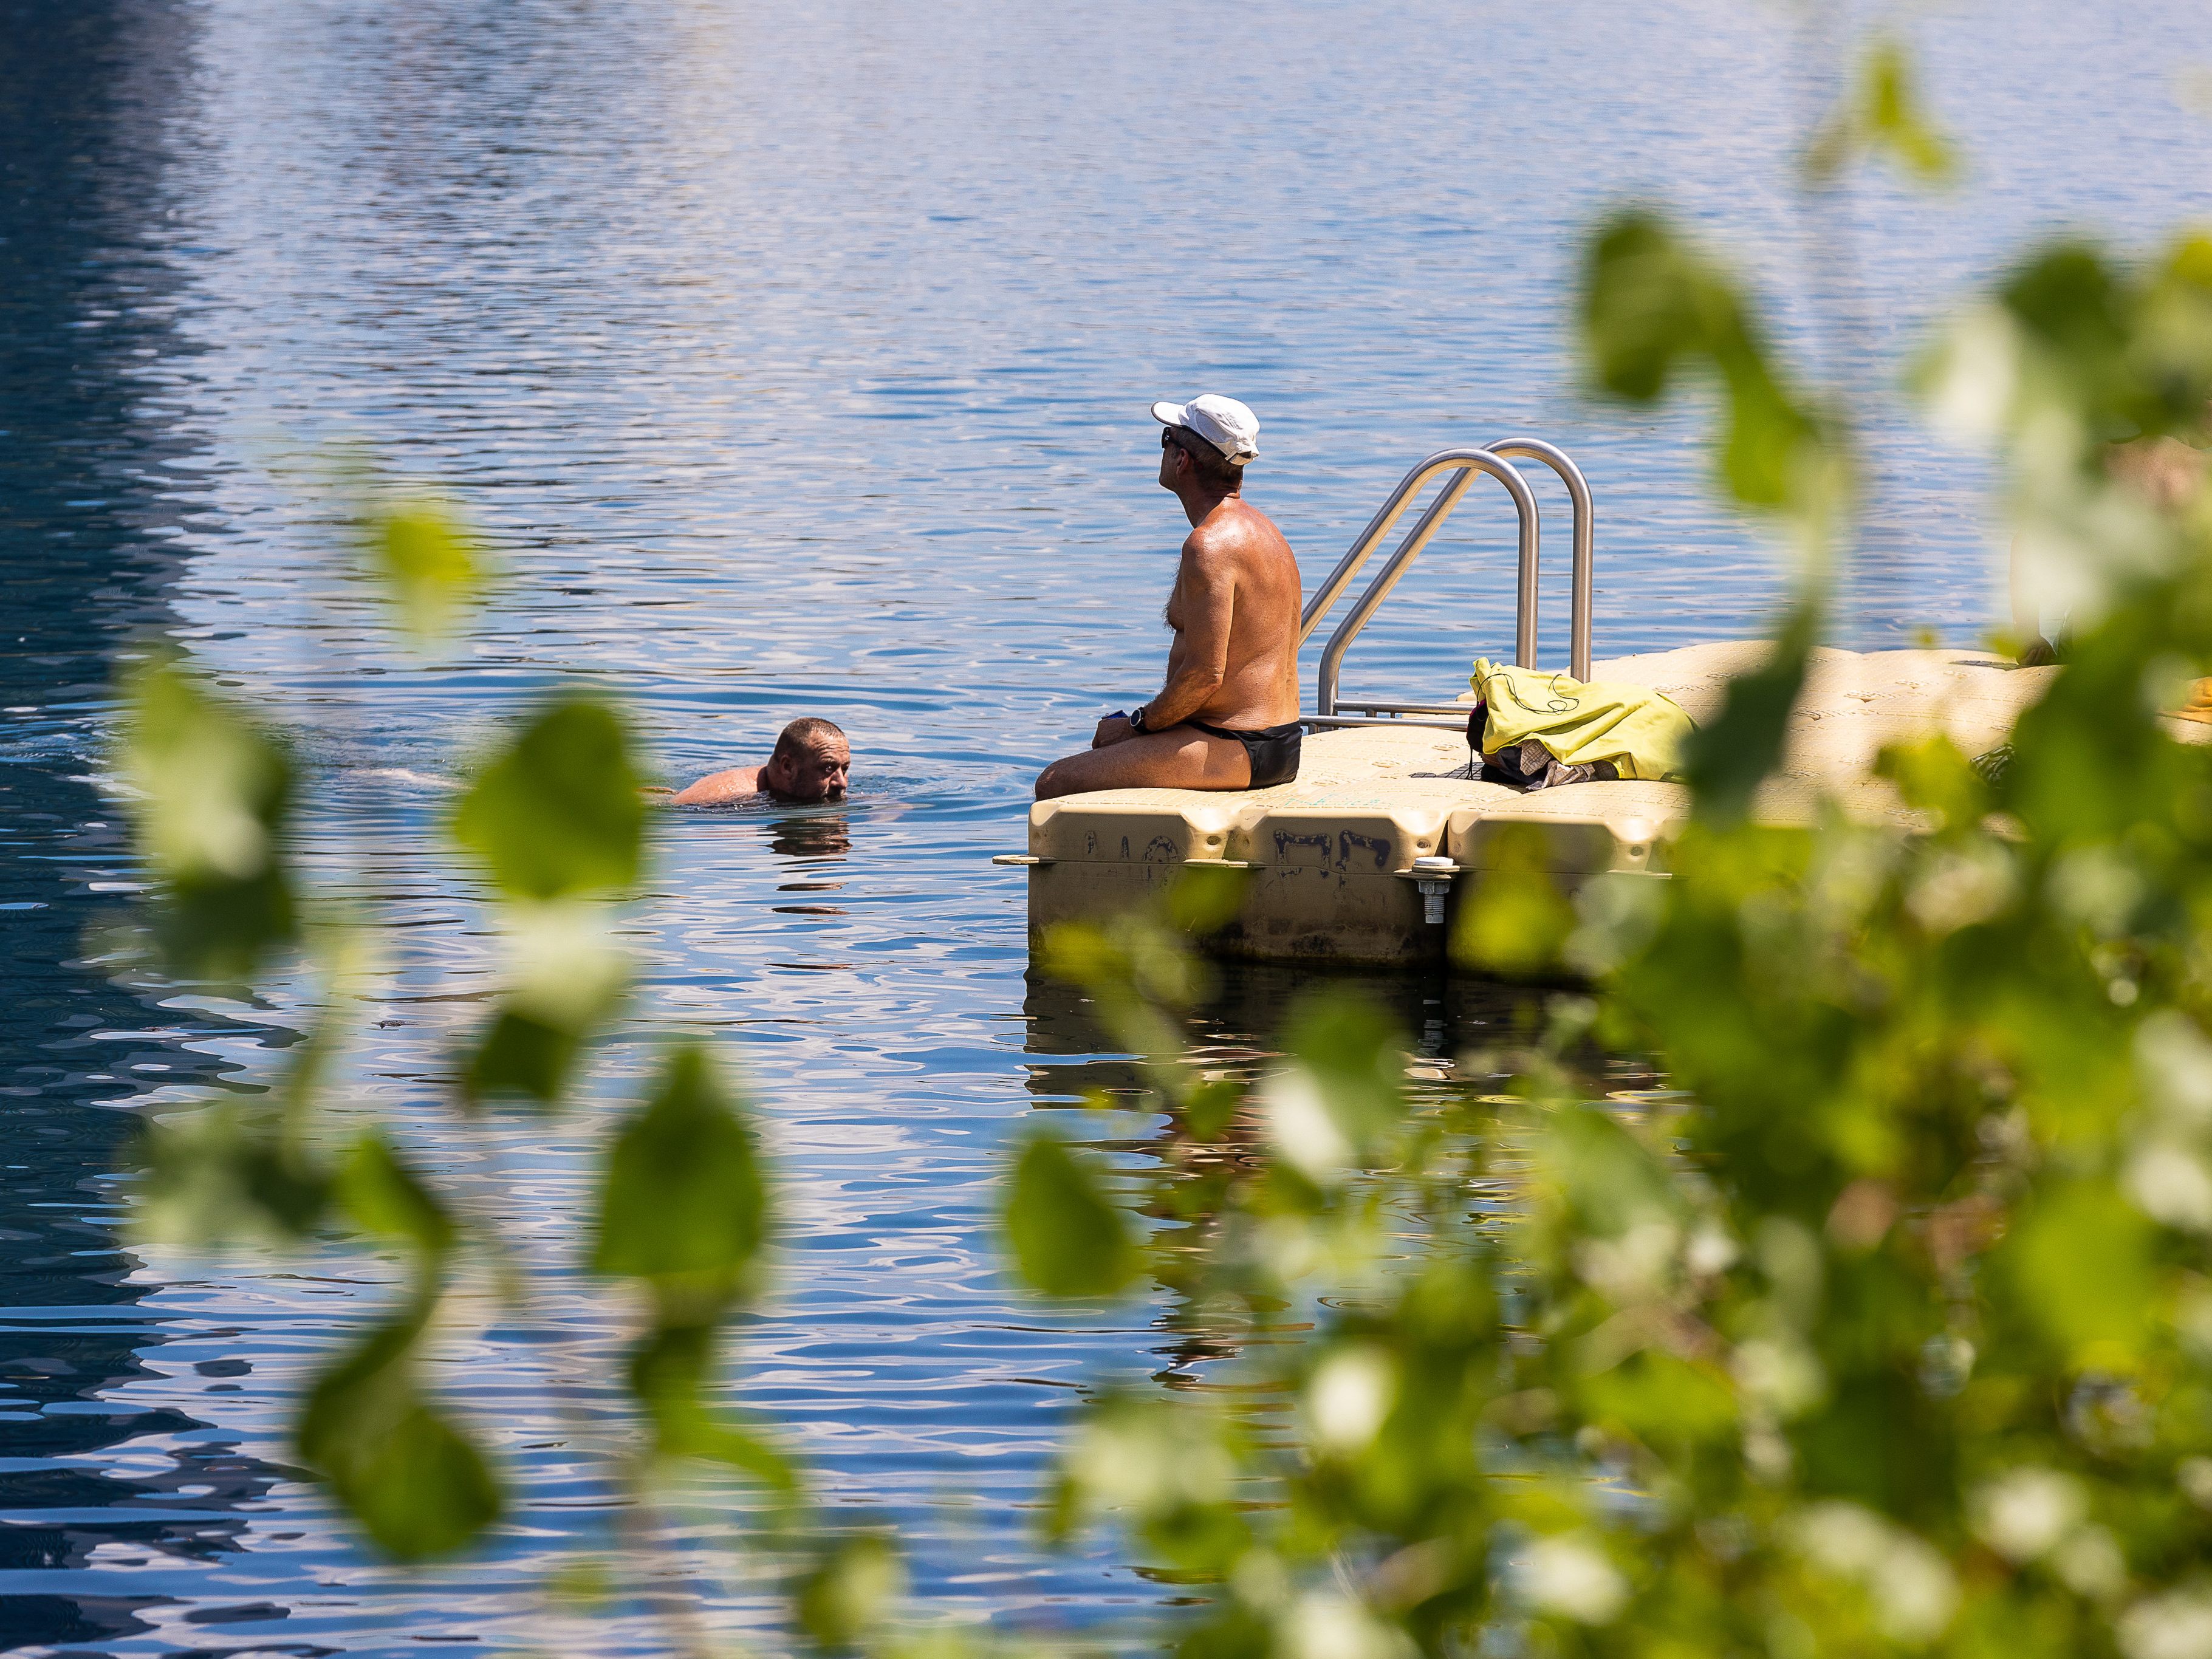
(1226, 424)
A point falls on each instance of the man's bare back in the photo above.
(1226, 717)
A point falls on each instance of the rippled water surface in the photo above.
(796, 360)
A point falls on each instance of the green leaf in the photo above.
(851, 1589)
(1647, 303)
(1882, 111)
(211, 790)
(1205, 899)
(213, 785)
(1607, 1179)
(428, 565)
(1663, 1401)
(523, 1056)
(582, 1585)
(1353, 1052)
(1209, 1108)
(2074, 306)
(669, 1372)
(2079, 1266)
(414, 1484)
(1898, 120)
(1770, 448)
(1652, 306)
(1516, 923)
(684, 1200)
(1134, 969)
(567, 974)
(385, 1197)
(1069, 1238)
(1728, 759)
(1935, 776)
(223, 1174)
(559, 811)
(1169, 1464)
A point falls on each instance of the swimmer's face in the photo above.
(813, 771)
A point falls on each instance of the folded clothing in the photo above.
(1580, 723)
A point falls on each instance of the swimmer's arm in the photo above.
(1207, 584)
(719, 787)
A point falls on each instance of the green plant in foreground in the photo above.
(1886, 1329)
(683, 1208)
(1891, 1331)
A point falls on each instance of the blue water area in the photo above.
(796, 360)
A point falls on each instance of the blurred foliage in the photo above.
(1514, 922)
(553, 817)
(2095, 375)
(211, 790)
(1068, 1236)
(417, 1486)
(428, 565)
(845, 1596)
(1726, 759)
(1881, 113)
(558, 813)
(1653, 306)
(1887, 1328)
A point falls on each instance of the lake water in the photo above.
(797, 361)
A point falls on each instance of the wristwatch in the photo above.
(1137, 718)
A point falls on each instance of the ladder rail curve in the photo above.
(1466, 463)
(1585, 532)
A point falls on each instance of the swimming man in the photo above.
(811, 762)
(1227, 716)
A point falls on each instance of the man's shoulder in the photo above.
(1246, 529)
(732, 785)
(1232, 539)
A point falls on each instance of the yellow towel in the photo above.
(2199, 706)
(1581, 722)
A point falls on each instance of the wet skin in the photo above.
(1233, 660)
(805, 771)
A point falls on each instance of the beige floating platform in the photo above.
(1332, 855)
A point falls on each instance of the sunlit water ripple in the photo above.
(798, 362)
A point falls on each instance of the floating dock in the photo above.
(1334, 856)
(1364, 858)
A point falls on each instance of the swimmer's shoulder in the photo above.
(716, 787)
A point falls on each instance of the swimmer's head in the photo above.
(811, 762)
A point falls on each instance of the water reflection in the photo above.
(824, 835)
(1240, 1030)
(1239, 1027)
(777, 391)
(98, 1494)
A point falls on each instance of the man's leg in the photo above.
(1177, 758)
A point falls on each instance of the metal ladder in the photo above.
(1464, 464)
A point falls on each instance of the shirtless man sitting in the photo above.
(809, 764)
(1227, 717)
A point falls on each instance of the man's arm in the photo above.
(719, 787)
(1208, 589)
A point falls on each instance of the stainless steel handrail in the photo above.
(1326, 596)
(1536, 449)
(1396, 722)
(1466, 463)
(1374, 706)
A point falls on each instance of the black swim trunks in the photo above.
(1272, 750)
